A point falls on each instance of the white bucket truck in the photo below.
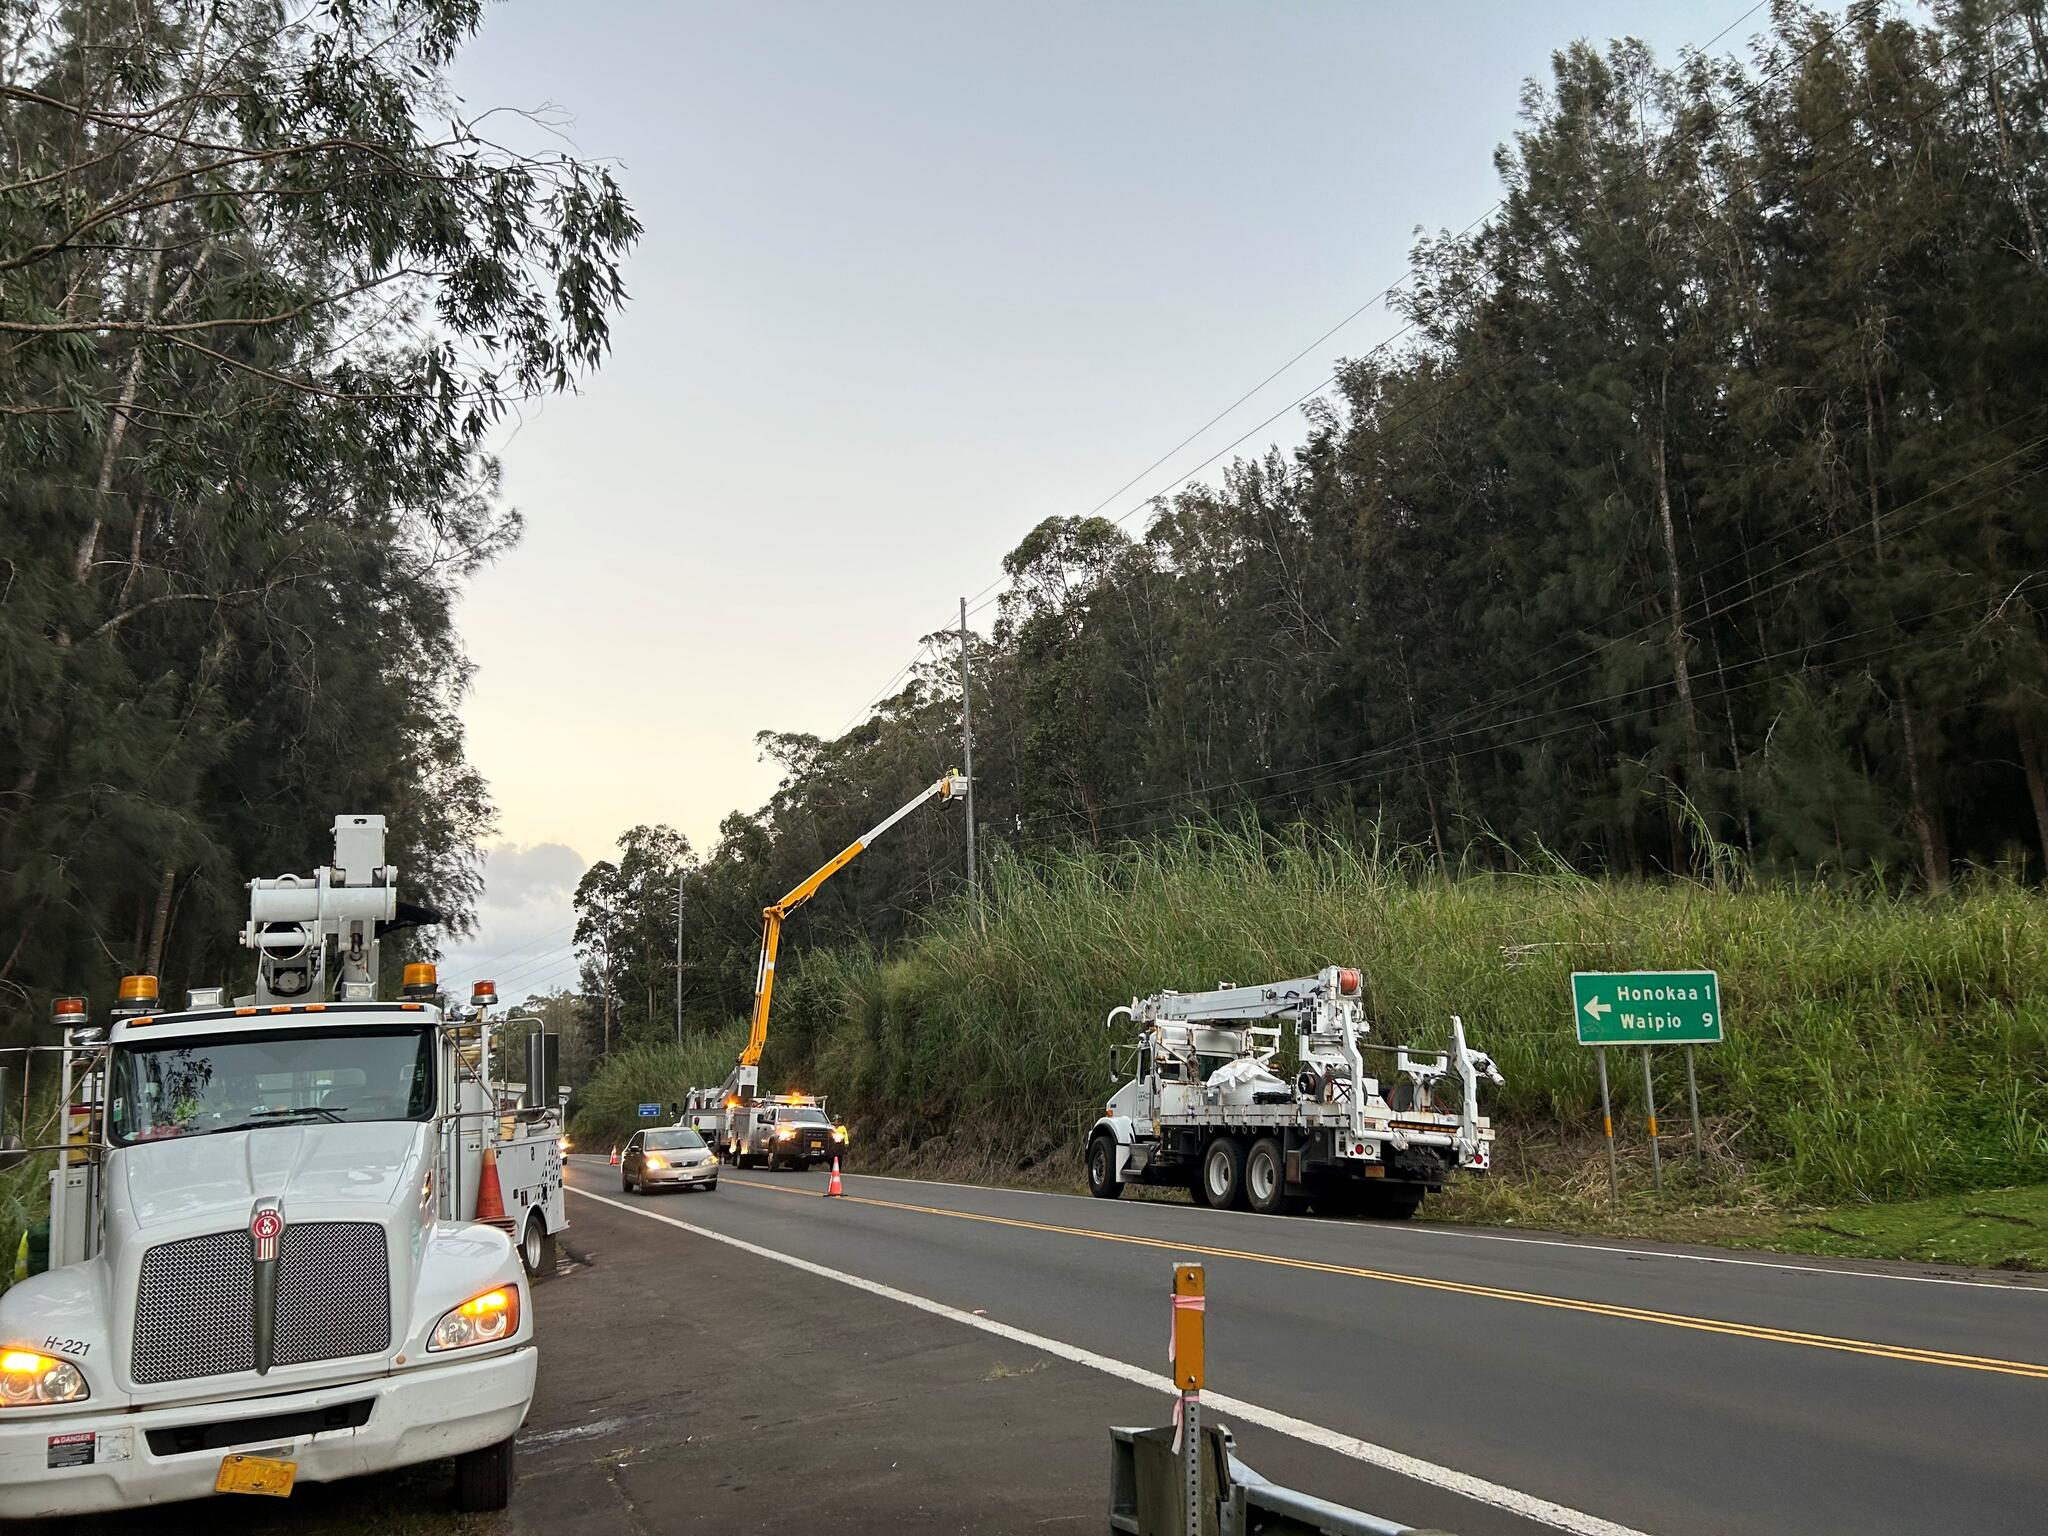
(267, 1262)
(1205, 1111)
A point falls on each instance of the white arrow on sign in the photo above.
(1594, 1008)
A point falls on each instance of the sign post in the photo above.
(1650, 1108)
(1692, 1085)
(1607, 1122)
(1647, 1008)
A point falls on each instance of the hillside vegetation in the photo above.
(1880, 1046)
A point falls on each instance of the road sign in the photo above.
(1647, 1007)
(650, 1111)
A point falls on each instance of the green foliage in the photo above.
(262, 296)
(1880, 1046)
(606, 1109)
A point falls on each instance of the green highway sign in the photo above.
(1647, 1007)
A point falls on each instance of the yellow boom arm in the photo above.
(952, 787)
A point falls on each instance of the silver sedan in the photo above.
(674, 1157)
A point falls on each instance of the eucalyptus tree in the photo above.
(265, 290)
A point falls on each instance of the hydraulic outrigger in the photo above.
(730, 1099)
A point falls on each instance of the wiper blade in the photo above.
(333, 1116)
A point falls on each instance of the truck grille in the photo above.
(193, 1314)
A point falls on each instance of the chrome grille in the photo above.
(193, 1313)
(333, 1291)
(192, 1308)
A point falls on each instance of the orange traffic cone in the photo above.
(490, 1200)
(615, 1154)
(834, 1188)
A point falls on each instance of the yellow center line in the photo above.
(1907, 1352)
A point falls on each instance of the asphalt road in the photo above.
(980, 1342)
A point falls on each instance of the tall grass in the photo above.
(1879, 1046)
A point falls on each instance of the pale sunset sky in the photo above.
(915, 276)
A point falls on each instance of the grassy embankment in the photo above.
(1882, 1049)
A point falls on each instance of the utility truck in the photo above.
(1204, 1108)
(791, 1130)
(286, 1230)
(729, 1115)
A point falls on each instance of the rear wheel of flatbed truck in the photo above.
(1103, 1183)
(1221, 1187)
(1265, 1178)
(483, 1479)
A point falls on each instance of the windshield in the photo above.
(197, 1087)
(802, 1117)
(674, 1141)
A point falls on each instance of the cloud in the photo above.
(518, 875)
(526, 920)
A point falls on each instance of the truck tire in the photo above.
(1265, 1178)
(1222, 1177)
(483, 1479)
(1103, 1183)
(536, 1248)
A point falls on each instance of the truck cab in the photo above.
(267, 1262)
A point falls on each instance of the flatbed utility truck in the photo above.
(1204, 1109)
(286, 1231)
(732, 1110)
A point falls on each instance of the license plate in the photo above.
(256, 1474)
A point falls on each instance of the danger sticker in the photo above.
(73, 1450)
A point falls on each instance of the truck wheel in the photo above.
(1222, 1186)
(483, 1479)
(1265, 1178)
(625, 1184)
(1103, 1183)
(536, 1248)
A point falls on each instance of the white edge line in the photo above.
(1478, 1489)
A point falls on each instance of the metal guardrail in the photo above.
(1144, 1489)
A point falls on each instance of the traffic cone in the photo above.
(490, 1201)
(615, 1154)
(834, 1188)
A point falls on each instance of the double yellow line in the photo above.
(2025, 1368)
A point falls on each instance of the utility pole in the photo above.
(678, 957)
(967, 750)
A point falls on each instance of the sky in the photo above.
(916, 276)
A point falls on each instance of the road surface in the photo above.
(1481, 1382)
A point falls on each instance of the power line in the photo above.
(1418, 739)
(976, 601)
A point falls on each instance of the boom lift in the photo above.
(1204, 1109)
(732, 1097)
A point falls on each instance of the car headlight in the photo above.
(784, 1132)
(656, 1162)
(482, 1319)
(30, 1380)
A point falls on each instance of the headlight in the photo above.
(482, 1319)
(787, 1130)
(565, 1143)
(656, 1162)
(29, 1380)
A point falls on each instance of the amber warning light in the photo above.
(138, 989)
